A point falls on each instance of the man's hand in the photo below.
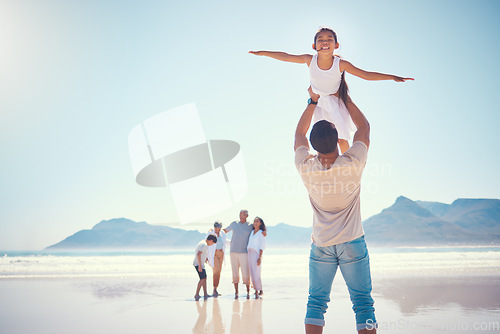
(362, 125)
(259, 261)
(314, 97)
(200, 269)
(305, 122)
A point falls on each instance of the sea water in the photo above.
(431, 261)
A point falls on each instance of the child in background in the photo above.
(327, 80)
(201, 256)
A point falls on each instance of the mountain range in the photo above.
(405, 223)
(122, 233)
(415, 223)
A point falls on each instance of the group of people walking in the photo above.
(246, 248)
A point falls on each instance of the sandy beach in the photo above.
(148, 298)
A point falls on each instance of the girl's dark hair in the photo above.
(343, 89)
(262, 225)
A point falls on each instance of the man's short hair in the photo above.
(324, 137)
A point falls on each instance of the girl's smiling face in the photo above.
(325, 42)
(256, 223)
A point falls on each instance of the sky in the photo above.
(77, 76)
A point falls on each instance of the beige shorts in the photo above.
(240, 260)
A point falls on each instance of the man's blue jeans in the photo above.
(353, 260)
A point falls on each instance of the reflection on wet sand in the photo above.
(113, 289)
(216, 321)
(249, 319)
(246, 317)
(471, 293)
(200, 325)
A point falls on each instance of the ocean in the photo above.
(427, 261)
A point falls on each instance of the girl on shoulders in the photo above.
(327, 80)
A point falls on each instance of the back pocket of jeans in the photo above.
(356, 249)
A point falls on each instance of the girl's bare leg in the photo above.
(344, 145)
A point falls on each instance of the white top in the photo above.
(257, 241)
(325, 82)
(334, 194)
(203, 248)
(221, 239)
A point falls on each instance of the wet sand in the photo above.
(406, 305)
(430, 293)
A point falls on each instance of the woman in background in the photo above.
(256, 245)
(216, 254)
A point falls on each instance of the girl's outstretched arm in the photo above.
(350, 68)
(283, 56)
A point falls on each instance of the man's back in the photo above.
(334, 194)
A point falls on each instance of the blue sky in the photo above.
(77, 76)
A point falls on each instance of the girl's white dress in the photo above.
(325, 83)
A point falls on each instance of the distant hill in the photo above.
(405, 223)
(124, 233)
(413, 223)
(478, 214)
(283, 235)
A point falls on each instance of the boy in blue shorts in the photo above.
(201, 256)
